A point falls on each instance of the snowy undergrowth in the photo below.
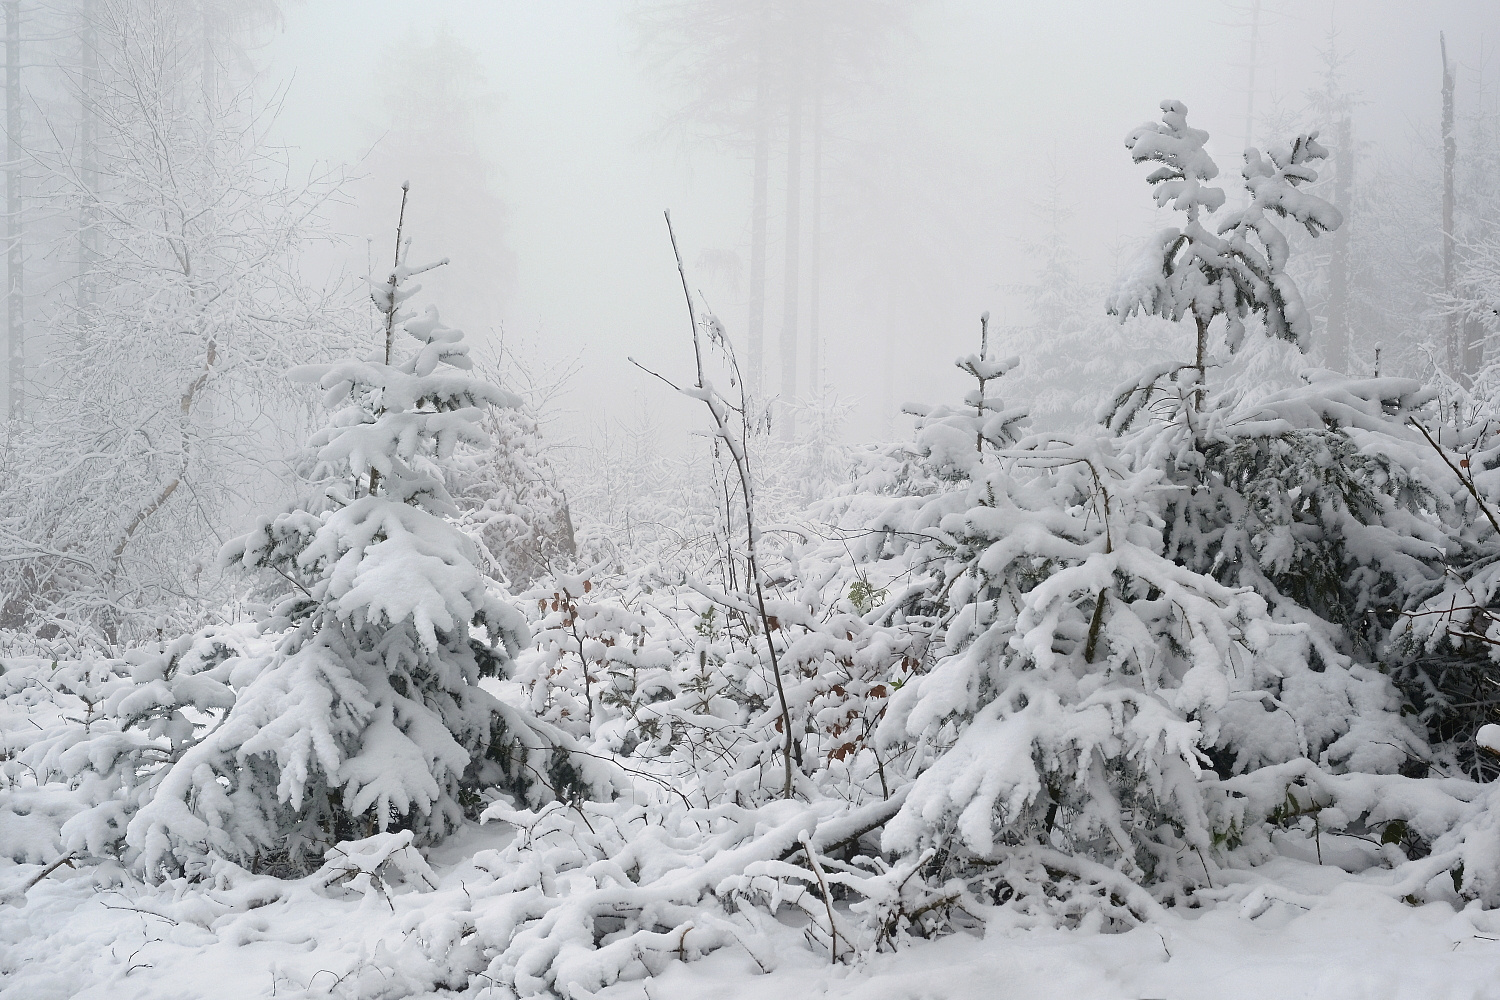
(1292, 927)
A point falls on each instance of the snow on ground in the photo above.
(1289, 929)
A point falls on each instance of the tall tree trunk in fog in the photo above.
(88, 154)
(1250, 74)
(793, 258)
(814, 277)
(210, 72)
(1338, 258)
(15, 313)
(209, 78)
(759, 206)
(1450, 153)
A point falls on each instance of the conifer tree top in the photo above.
(1238, 267)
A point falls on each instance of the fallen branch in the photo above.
(17, 897)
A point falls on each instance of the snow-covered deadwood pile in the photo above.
(1088, 678)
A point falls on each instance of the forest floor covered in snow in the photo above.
(1291, 928)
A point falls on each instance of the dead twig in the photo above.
(833, 930)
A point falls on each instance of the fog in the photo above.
(946, 151)
(862, 191)
(710, 497)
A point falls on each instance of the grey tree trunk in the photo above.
(209, 78)
(815, 249)
(15, 312)
(1200, 361)
(88, 156)
(1338, 258)
(790, 281)
(758, 209)
(1250, 74)
(1450, 153)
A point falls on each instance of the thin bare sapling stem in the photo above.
(704, 391)
(391, 303)
(984, 355)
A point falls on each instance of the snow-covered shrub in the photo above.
(1444, 645)
(509, 500)
(588, 652)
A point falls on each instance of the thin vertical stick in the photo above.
(984, 355)
(741, 456)
(390, 316)
(390, 312)
(833, 930)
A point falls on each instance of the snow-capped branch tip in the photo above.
(1488, 738)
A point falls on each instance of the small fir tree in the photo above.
(1239, 269)
(368, 713)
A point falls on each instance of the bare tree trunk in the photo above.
(88, 152)
(814, 277)
(1338, 258)
(1250, 74)
(210, 71)
(185, 411)
(793, 262)
(758, 209)
(15, 313)
(1450, 153)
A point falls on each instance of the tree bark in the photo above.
(1200, 361)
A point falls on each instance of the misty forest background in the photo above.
(382, 467)
(838, 210)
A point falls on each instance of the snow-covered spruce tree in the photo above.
(1340, 544)
(1319, 497)
(1074, 677)
(87, 737)
(367, 713)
